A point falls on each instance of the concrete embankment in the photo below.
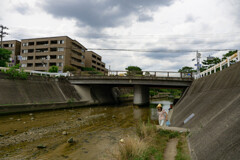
(42, 93)
(215, 127)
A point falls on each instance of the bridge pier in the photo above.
(141, 95)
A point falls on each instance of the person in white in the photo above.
(162, 115)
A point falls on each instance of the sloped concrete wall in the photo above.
(215, 128)
(36, 90)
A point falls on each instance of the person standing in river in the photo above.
(162, 115)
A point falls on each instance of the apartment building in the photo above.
(93, 60)
(14, 46)
(40, 54)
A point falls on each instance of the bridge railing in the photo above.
(226, 62)
(140, 74)
(135, 74)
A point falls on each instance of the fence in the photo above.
(136, 74)
(220, 65)
(41, 73)
(145, 74)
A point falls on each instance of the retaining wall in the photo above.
(36, 90)
(43, 93)
(215, 128)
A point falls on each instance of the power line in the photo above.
(2, 33)
(161, 50)
(105, 36)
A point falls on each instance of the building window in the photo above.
(29, 65)
(61, 42)
(31, 43)
(42, 43)
(25, 51)
(60, 64)
(24, 65)
(42, 50)
(53, 49)
(60, 57)
(24, 58)
(25, 44)
(60, 49)
(11, 45)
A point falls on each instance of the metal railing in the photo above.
(31, 72)
(220, 65)
(139, 74)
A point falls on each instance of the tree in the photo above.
(187, 69)
(134, 70)
(16, 73)
(53, 69)
(209, 63)
(4, 57)
(69, 68)
(88, 69)
(230, 53)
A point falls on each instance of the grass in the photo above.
(182, 149)
(150, 143)
(126, 95)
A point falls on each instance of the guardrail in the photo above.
(135, 74)
(150, 74)
(31, 72)
(220, 65)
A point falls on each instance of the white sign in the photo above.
(189, 117)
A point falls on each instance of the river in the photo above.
(95, 130)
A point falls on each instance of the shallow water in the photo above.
(95, 130)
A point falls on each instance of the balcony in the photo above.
(41, 50)
(42, 43)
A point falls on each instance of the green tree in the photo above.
(69, 68)
(88, 69)
(53, 69)
(187, 69)
(16, 73)
(230, 53)
(134, 70)
(4, 57)
(210, 63)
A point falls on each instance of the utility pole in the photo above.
(2, 33)
(198, 56)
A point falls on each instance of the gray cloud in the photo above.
(145, 17)
(103, 13)
(163, 53)
(22, 8)
(190, 18)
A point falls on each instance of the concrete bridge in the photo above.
(141, 82)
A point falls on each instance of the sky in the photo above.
(159, 35)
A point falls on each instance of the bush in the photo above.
(53, 69)
(69, 68)
(145, 130)
(15, 73)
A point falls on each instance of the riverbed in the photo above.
(95, 132)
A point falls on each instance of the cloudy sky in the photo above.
(157, 34)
